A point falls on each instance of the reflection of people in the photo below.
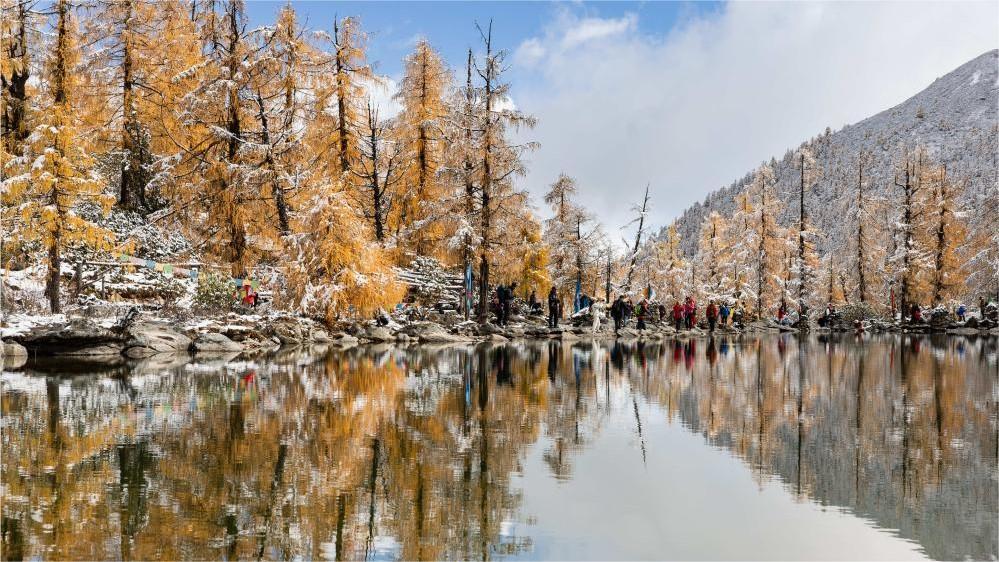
(711, 353)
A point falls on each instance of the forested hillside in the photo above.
(172, 136)
(946, 135)
(261, 147)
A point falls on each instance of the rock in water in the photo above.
(215, 342)
(13, 349)
(379, 334)
(149, 339)
(79, 336)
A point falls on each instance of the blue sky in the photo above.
(685, 97)
(450, 26)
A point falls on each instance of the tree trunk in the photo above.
(133, 189)
(282, 208)
(802, 275)
(607, 283)
(861, 279)
(638, 241)
(941, 240)
(469, 167)
(59, 95)
(903, 291)
(15, 88)
(341, 102)
(486, 187)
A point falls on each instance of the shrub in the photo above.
(214, 294)
(858, 311)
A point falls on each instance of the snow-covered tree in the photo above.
(378, 169)
(911, 259)
(947, 237)
(634, 259)
(282, 117)
(712, 256)
(764, 242)
(499, 159)
(18, 36)
(804, 232)
(56, 172)
(866, 246)
(741, 254)
(423, 193)
(334, 268)
(672, 267)
(568, 234)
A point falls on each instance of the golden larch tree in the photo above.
(56, 173)
(420, 131)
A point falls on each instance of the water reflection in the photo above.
(414, 453)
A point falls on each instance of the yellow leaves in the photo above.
(421, 132)
(336, 270)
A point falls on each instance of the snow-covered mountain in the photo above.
(956, 118)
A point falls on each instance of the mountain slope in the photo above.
(955, 118)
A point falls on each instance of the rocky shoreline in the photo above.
(110, 340)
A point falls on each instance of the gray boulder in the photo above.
(379, 334)
(215, 342)
(343, 339)
(319, 335)
(13, 349)
(79, 336)
(149, 339)
(287, 330)
(488, 328)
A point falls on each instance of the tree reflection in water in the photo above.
(412, 452)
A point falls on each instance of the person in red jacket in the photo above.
(712, 315)
(690, 313)
(677, 315)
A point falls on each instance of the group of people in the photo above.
(915, 313)
(504, 303)
(622, 310)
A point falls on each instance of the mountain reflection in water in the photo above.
(422, 452)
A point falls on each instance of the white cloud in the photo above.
(530, 52)
(589, 29)
(695, 109)
(381, 92)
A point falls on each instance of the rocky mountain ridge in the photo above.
(956, 119)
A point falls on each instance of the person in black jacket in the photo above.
(554, 308)
(617, 312)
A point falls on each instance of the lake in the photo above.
(770, 447)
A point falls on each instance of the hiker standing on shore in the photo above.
(617, 312)
(597, 312)
(712, 315)
(677, 315)
(642, 313)
(554, 308)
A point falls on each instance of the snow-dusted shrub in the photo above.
(858, 311)
(214, 294)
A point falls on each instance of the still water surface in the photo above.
(822, 448)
